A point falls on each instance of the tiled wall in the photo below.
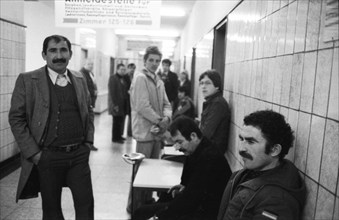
(277, 59)
(12, 62)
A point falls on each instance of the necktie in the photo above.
(61, 80)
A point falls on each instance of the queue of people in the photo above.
(51, 117)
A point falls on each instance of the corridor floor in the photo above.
(110, 176)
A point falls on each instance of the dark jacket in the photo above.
(118, 96)
(128, 81)
(28, 116)
(187, 86)
(278, 193)
(92, 87)
(215, 120)
(171, 85)
(205, 175)
(185, 107)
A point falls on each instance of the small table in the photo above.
(158, 175)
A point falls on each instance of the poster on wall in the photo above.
(143, 14)
(331, 32)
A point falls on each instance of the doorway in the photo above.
(219, 49)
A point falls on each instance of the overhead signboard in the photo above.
(108, 13)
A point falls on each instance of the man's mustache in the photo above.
(61, 60)
(245, 155)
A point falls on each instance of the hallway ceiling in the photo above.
(170, 28)
(171, 25)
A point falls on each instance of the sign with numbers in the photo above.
(108, 13)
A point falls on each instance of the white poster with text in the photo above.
(108, 13)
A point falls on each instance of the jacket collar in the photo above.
(211, 97)
(285, 176)
(53, 75)
(154, 77)
(203, 143)
(40, 76)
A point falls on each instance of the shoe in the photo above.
(93, 148)
(122, 138)
(119, 141)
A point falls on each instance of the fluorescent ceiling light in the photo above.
(153, 33)
(167, 54)
(172, 12)
(87, 30)
(168, 43)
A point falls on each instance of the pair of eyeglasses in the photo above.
(207, 83)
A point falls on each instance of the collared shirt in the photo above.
(53, 75)
(151, 75)
(91, 74)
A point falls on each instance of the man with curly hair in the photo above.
(269, 186)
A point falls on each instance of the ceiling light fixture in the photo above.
(153, 33)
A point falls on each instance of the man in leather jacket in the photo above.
(269, 187)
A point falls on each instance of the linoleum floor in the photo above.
(111, 178)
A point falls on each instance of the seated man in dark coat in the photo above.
(204, 177)
(269, 186)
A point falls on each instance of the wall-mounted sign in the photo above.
(108, 13)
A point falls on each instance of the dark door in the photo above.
(219, 49)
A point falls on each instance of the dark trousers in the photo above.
(71, 169)
(129, 125)
(117, 128)
(147, 211)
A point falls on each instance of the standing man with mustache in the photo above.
(269, 186)
(51, 118)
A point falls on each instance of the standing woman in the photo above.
(215, 117)
(185, 82)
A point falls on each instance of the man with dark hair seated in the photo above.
(203, 179)
(269, 187)
(184, 104)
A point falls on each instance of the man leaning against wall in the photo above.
(269, 186)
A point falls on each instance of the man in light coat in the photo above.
(51, 118)
(151, 110)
